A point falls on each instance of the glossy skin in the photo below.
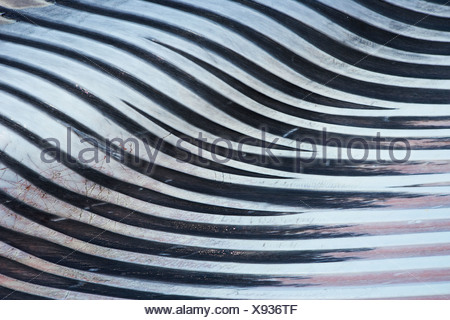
(251, 73)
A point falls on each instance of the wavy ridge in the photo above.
(196, 227)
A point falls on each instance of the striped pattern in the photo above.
(252, 228)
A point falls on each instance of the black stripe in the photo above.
(318, 74)
(30, 275)
(166, 148)
(67, 257)
(77, 229)
(347, 54)
(412, 122)
(377, 35)
(405, 15)
(245, 64)
(9, 294)
(295, 198)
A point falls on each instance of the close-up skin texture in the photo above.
(5, 21)
(224, 149)
(23, 4)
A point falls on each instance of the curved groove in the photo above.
(313, 72)
(407, 16)
(385, 38)
(347, 54)
(263, 227)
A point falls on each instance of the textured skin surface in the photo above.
(252, 227)
(22, 4)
